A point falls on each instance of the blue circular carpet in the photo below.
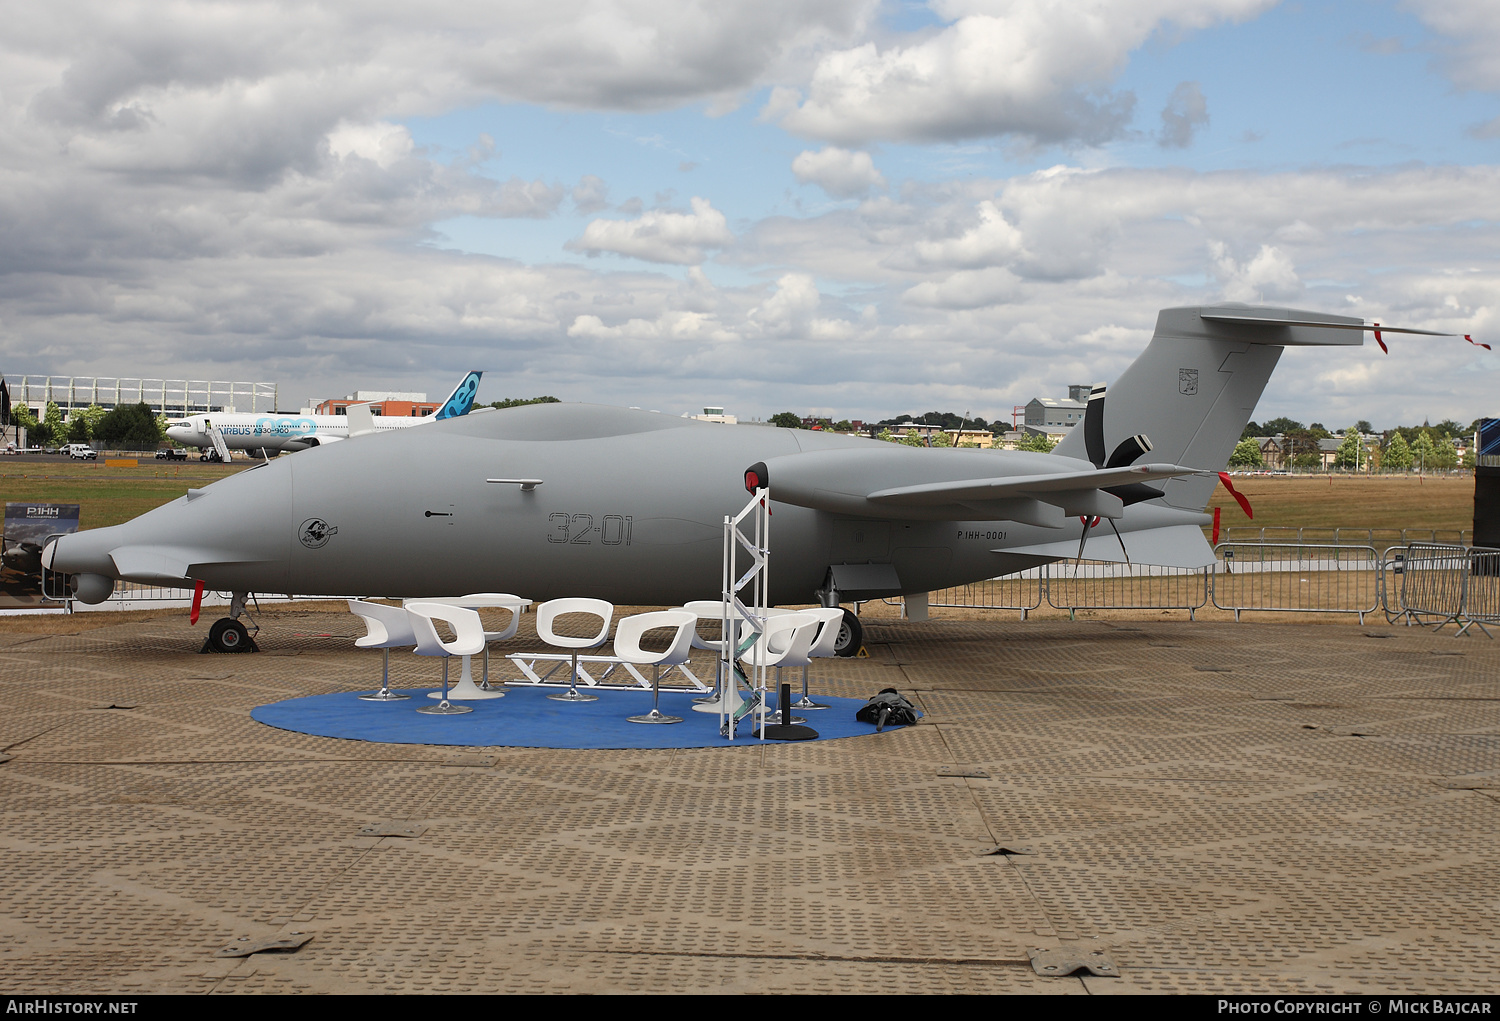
(526, 718)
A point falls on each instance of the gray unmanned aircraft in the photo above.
(582, 500)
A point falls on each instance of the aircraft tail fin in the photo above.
(461, 399)
(1196, 385)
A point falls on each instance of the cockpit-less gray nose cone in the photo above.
(581, 500)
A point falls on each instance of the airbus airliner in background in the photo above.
(277, 433)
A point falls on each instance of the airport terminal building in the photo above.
(170, 397)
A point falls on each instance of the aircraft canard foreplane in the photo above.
(581, 500)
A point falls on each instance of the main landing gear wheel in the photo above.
(229, 635)
(851, 636)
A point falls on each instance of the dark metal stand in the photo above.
(786, 730)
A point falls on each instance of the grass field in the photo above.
(1335, 501)
(105, 495)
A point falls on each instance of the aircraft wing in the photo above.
(1025, 485)
(937, 485)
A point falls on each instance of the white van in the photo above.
(83, 450)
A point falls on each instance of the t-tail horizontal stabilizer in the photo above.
(1195, 387)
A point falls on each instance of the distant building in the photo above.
(386, 403)
(1056, 411)
(715, 415)
(164, 396)
(982, 438)
(922, 430)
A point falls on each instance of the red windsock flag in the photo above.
(1477, 343)
(197, 602)
(1216, 525)
(1238, 497)
(1379, 341)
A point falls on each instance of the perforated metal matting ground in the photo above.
(1218, 807)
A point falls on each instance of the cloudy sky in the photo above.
(851, 207)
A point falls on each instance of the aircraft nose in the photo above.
(178, 434)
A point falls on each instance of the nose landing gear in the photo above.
(228, 634)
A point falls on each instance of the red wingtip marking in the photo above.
(1379, 341)
(197, 602)
(1216, 525)
(1477, 343)
(1239, 497)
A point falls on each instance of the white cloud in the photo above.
(791, 307)
(1471, 53)
(382, 143)
(967, 289)
(993, 241)
(591, 194)
(839, 172)
(674, 325)
(1185, 113)
(1034, 68)
(1268, 276)
(659, 235)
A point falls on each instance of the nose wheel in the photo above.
(229, 635)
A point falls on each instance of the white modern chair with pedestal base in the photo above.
(832, 619)
(387, 628)
(466, 688)
(468, 640)
(628, 649)
(786, 642)
(548, 612)
(709, 609)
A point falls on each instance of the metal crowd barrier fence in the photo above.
(1303, 578)
(1432, 583)
(1095, 585)
(1482, 590)
(1381, 538)
(1021, 592)
(1456, 584)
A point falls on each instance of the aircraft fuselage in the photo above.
(630, 508)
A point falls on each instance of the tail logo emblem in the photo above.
(315, 533)
(1187, 382)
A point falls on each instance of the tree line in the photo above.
(128, 426)
(1397, 449)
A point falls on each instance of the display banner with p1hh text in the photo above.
(27, 526)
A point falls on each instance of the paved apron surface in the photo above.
(1219, 807)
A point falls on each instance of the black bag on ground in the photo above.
(888, 707)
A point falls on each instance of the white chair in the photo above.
(468, 641)
(487, 600)
(628, 649)
(548, 612)
(386, 628)
(832, 620)
(786, 641)
(709, 609)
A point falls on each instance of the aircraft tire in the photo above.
(229, 635)
(851, 636)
